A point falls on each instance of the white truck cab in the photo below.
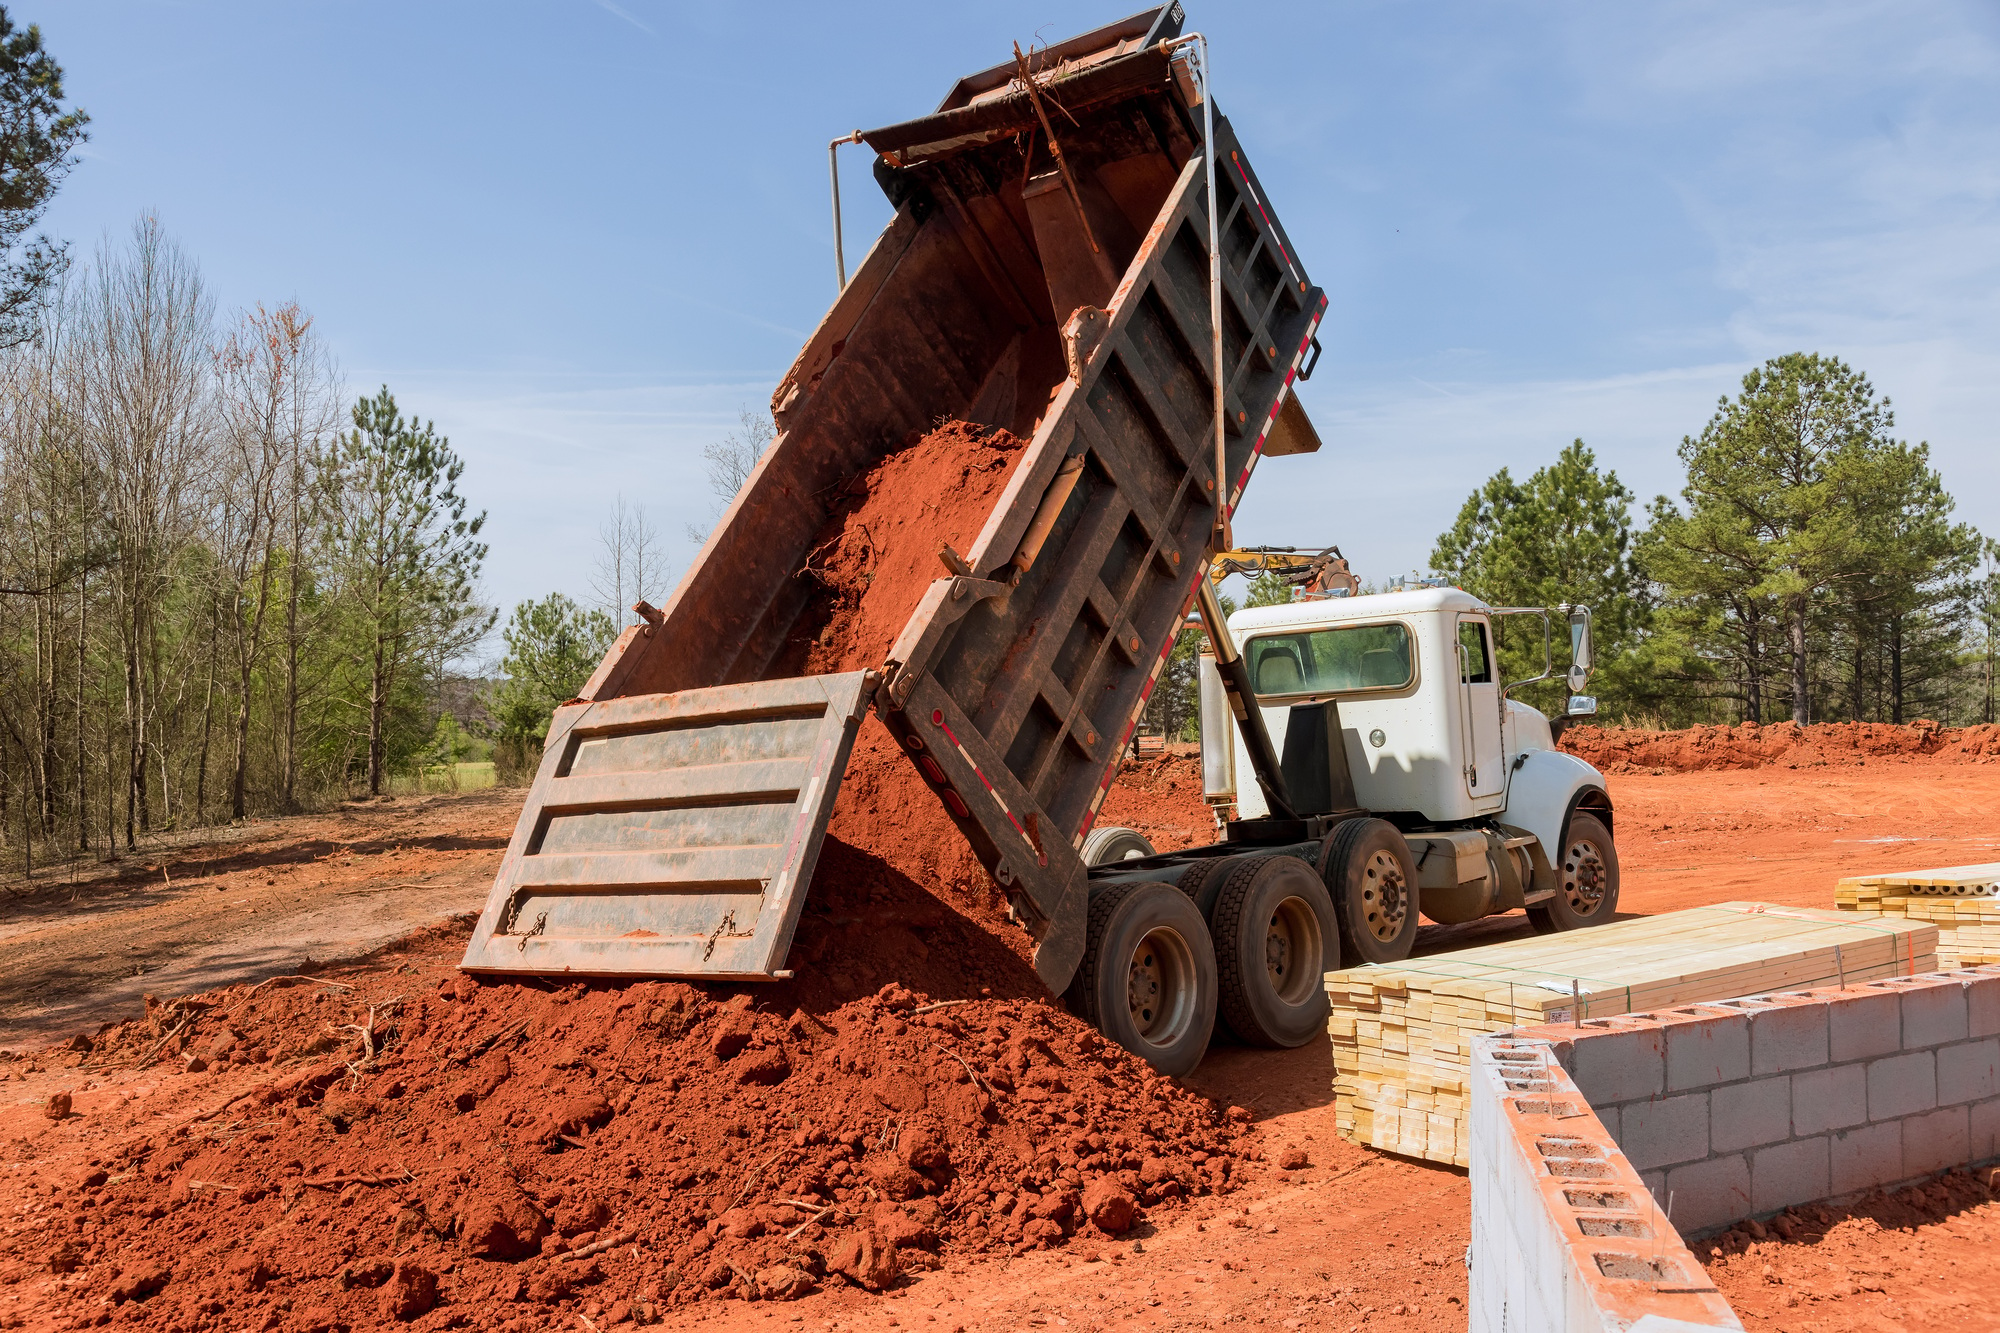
(1494, 816)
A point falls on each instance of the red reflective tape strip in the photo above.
(1255, 199)
(1257, 449)
(937, 720)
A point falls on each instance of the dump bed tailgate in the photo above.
(672, 833)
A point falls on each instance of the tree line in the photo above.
(1810, 568)
(226, 592)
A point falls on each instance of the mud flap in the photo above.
(1060, 950)
(673, 834)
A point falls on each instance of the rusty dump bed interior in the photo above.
(673, 824)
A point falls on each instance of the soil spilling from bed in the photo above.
(417, 1145)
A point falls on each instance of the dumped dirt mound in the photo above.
(1918, 1258)
(1780, 745)
(513, 1153)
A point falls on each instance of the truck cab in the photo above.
(1434, 745)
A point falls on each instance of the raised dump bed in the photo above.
(673, 825)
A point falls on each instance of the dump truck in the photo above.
(1081, 252)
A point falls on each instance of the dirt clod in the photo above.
(1109, 1207)
(57, 1107)
(411, 1290)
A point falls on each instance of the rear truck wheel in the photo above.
(1367, 868)
(1147, 980)
(1204, 879)
(1275, 939)
(1586, 879)
(1112, 844)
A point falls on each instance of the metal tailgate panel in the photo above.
(672, 834)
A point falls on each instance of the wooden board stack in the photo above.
(1963, 902)
(1402, 1032)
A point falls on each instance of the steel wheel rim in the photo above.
(1384, 897)
(1160, 987)
(1292, 950)
(1585, 876)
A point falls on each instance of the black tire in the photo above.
(1147, 980)
(1275, 939)
(1368, 870)
(1586, 879)
(1203, 880)
(1110, 844)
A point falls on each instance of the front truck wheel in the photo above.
(1586, 879)
(1147, 980)
(1368, 869)
(1275, 940)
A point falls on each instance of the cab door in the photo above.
(1479, 709)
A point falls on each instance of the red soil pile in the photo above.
(512, 1155)
(1919, 1258)
(1780, 745)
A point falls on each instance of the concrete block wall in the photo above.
(1741, 1108)
(1565, 1237)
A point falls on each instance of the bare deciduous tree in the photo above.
(629, 566)
(731, 460)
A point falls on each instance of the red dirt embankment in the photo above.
(1779, 745)
(417, 1145)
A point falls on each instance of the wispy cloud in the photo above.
(608, 7)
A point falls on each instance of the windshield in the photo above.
(1332, 661)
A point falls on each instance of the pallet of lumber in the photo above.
(1963, 902)
(1402, 1032)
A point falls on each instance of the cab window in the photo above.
(1475, 662)
(1332, 661)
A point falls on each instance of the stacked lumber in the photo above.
(1963, 902)
(1402, 1032)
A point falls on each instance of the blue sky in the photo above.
(580, 236)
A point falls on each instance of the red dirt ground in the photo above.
(1919, 1260)
(1351, 1239)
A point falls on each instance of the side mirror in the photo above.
(1581, 650)
(1582, 705)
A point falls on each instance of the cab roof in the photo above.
(1414, 601)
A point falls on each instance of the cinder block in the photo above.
(1982, 1006)
(1788, 1173)
(1661, 1133)
(1984, 1139)
(1968, 1071)
(1787, 1037)
(1620, 1066)
(1933, 1014)
(1609, 1118)
(1656, 1185)
(1745, 1115)
(1935, 1141)
(1864, 1024)
(1709, 1194)
(1709, 1047)
(1902, 1085)
(1831, 1098)
(1865, 1157)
